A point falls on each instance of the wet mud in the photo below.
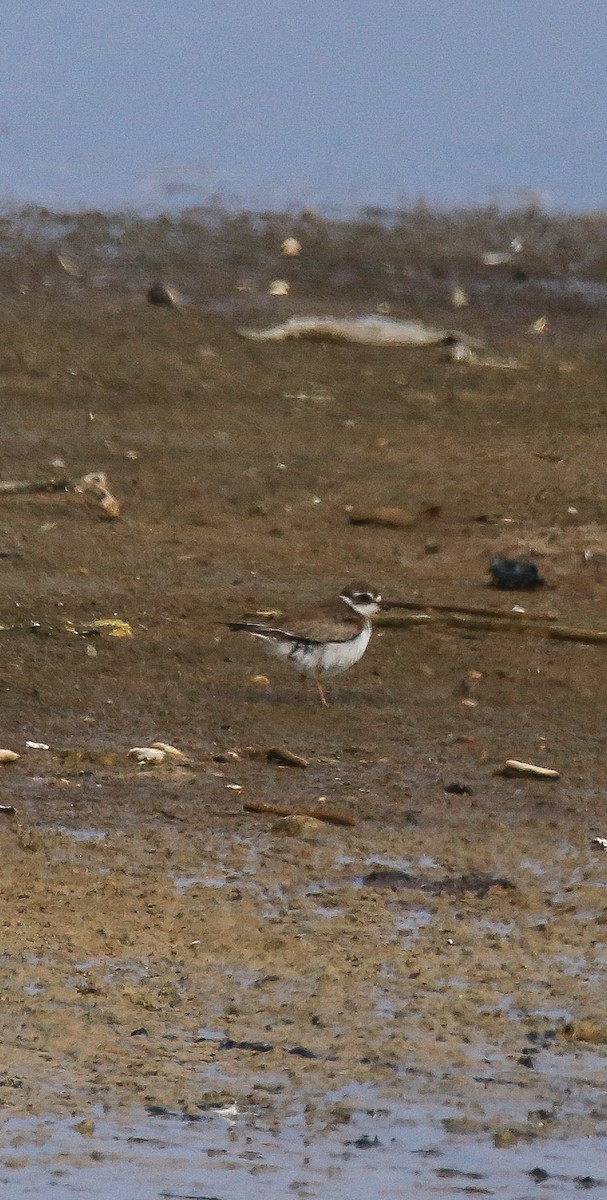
(230, 1000)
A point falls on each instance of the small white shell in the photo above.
(36, 746)
(279, 287)
(600, 843)
(459, 298)
(495, 258)
(290, 248)
(539, 326)
(147, 754)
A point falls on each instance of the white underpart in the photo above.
(320, 658)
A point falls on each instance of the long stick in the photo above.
(471, 610)
(563, 633)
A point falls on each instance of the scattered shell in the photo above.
(259, 680)
(36, 746)
(279, 287)
(69, 266)
(290, 248)
(459, 298)
(110, 508)
(514, 767)
(7, 756)
(147, 754)
(600, 843)
(496, 258)
(459, 352)
(95, 487)
(7, 810)
(539, 326)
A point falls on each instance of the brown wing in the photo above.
(333, 622)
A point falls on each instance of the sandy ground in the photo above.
(162, 947)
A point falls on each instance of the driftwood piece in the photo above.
(320, 814)
(94, 487)
(459, 620)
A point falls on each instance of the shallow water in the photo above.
(228, 1155)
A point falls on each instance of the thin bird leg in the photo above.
(319, 689)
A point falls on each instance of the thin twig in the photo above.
(94, 487)
(563, 633)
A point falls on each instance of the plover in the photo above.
(322, 641)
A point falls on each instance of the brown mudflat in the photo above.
(142, 903)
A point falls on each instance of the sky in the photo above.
(159, 104)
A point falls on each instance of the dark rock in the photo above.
(525, 1060)
(515, 573)
(161, 295)
(365, 1142)
(538, 1174)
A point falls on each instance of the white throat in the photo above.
(363, 610)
